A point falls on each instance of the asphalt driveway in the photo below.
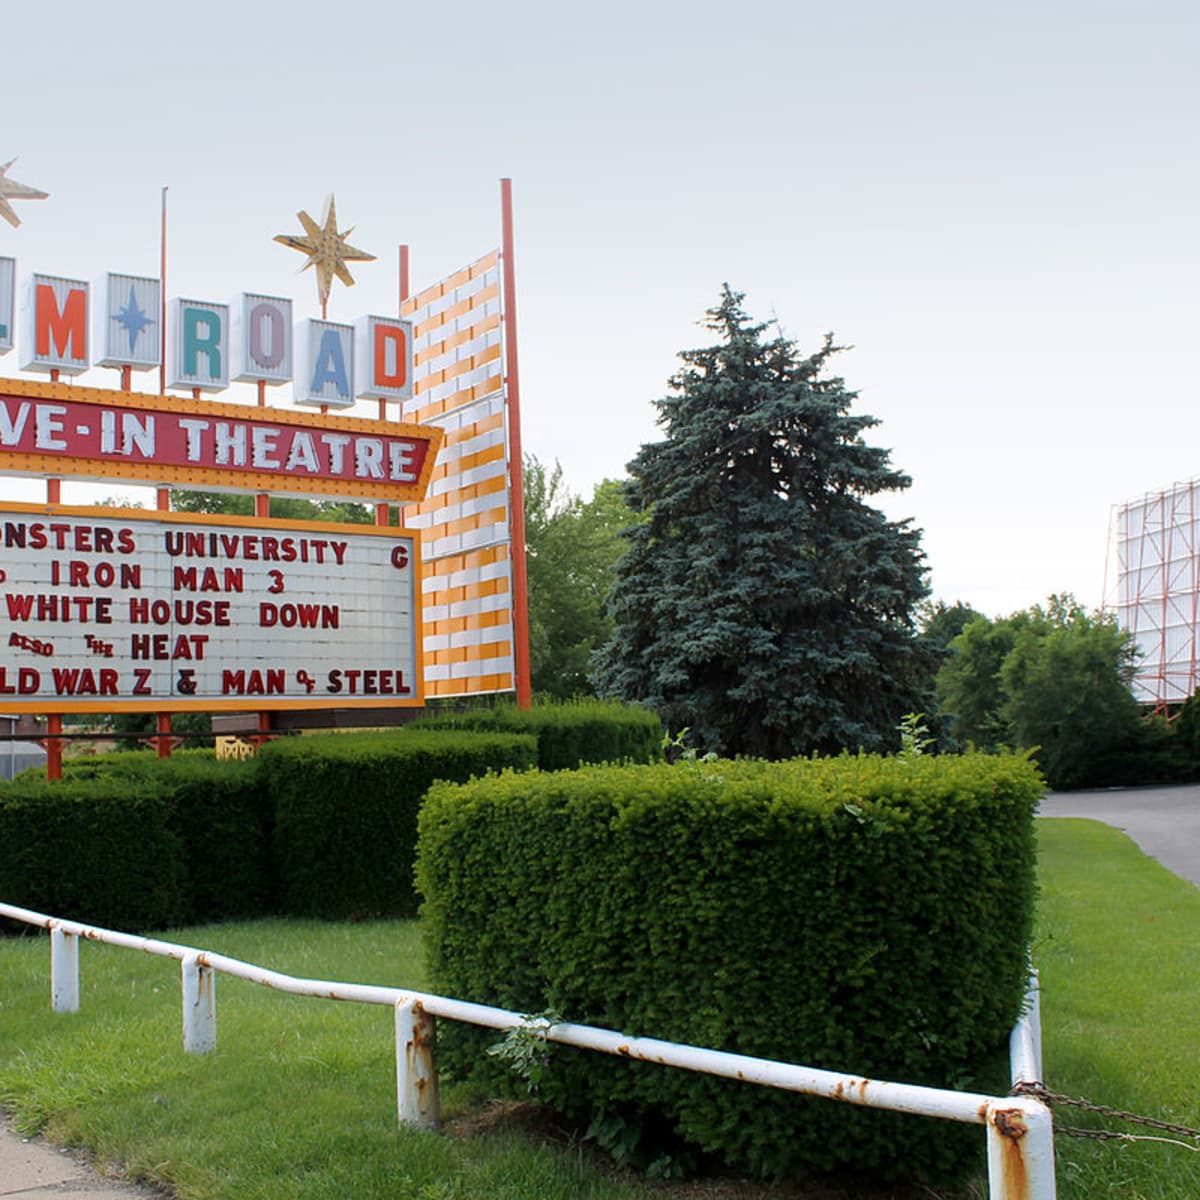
(1164, 822)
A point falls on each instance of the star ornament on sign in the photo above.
(327, 250)
(11, 189)
(132, 319)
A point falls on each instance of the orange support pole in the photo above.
(516, 463)
(404, 293)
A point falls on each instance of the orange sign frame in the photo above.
(35, 651)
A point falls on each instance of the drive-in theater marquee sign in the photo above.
(170, 611)
(111, 609)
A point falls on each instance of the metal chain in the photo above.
(1040, 1092)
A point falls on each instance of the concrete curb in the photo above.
(33, 1169)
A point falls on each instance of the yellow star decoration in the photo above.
(10, 187)
(327, 250)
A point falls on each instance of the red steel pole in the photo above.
(54, 747)
(163, 740)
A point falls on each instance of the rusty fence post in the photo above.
(64, 971)
(416, 1073)
(1020, 1150)
(199, 1006)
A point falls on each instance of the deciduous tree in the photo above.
(969, 685)
(573, 546)
(1054, 680)
(1066, 691)
(285, 508)
(941, 623)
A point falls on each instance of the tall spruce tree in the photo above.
(762, 602)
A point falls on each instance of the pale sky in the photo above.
(994, 205)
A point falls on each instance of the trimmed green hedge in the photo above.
(580, 731)
(104, 851)
(322, 826)
(225, 818)
(218, 812)
(346, 811)
(860, 914)
(222, 814)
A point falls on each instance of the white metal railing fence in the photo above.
(1020, 1136)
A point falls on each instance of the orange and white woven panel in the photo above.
(466, 539)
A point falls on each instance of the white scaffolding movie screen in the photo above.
(1157, 542)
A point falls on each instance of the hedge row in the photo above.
(569, 734)
(859, 914)
(103, 851)
(346, 812)
(320, 826)
(220, 817)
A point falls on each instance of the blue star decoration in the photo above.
(132, 319)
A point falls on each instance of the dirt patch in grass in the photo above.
(544, 1127)
(533, 1121)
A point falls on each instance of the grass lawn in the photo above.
(1118, 947)
(299, 1101)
